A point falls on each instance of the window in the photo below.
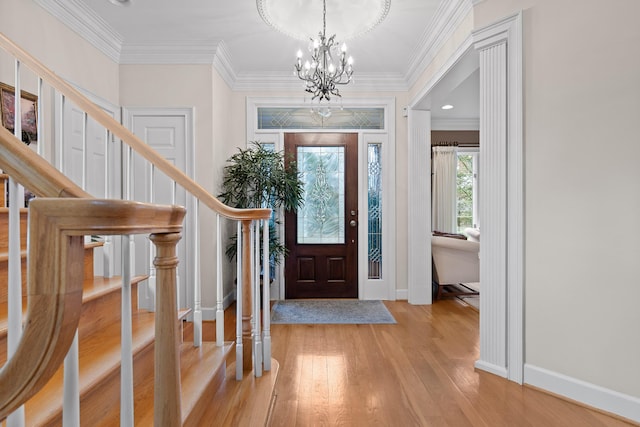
(309, 118)
(467, 190)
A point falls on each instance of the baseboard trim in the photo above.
(209, 313)
(582, 392)
(402, 294)
(500, 371)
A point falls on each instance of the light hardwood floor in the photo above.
(418, 372)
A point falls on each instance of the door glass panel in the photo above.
(321, 219)
(374, 201)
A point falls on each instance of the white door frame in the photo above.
(384, 288)
(502, 244)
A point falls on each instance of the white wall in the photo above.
(582, 104)
(184, 86)
(239, 134)
(61, 49)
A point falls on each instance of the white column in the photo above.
(419, 221)
(502, 206)
(493, 209)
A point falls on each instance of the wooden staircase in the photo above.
(203, 369)
(57, 308)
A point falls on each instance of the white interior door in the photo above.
(168, 131)
(92, 161)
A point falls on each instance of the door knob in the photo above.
(353, 223)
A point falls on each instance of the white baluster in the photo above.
(197, 285)
(39, 118)
(151, 282)
(257, 334)
(266, 297)
(219, 287)
(60, 146)
(14, 293)
(126, 338)
(85, 119)
(239, 346)
(71, 393)
(107, 248)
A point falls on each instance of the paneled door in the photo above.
(168, 132)
(322, 237)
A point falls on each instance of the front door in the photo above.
(322, 237)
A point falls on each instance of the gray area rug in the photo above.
(330, 311)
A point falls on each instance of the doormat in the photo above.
(330, 311)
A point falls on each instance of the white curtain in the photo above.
(443, 188)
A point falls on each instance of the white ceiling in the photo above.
(233, 33)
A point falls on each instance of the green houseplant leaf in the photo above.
(257, 177)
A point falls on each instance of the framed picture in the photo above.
(29, 112)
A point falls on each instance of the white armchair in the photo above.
(455, 262)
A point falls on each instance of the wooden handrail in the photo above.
(56, 251)
(34, 172)
(129, 138)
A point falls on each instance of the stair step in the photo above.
(99, 357)
(92, 290)
(202, 372)
(4, 272)
(241, 403)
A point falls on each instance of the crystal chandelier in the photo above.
(321, 75)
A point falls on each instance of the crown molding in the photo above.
(78, 17)
(169, 52)
(90, 26)
(448, 17)
(222, 62)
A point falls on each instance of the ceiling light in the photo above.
(447, 107)
(322, 75)
(121, 2)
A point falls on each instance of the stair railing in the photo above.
(253, 342)
(57, 227)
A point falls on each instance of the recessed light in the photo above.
(447, 107)
(121, 2)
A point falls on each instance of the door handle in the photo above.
(353, 223)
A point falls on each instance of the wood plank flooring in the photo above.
(418, 372)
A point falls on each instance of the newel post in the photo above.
(246, 296)
(166, 405)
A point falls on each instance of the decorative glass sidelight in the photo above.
(321, 220)
(374, 200)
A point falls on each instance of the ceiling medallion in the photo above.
(299, 19)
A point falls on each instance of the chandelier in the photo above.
(322, 75)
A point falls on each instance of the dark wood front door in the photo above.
(322, 237)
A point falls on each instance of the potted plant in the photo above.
(257, 177)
